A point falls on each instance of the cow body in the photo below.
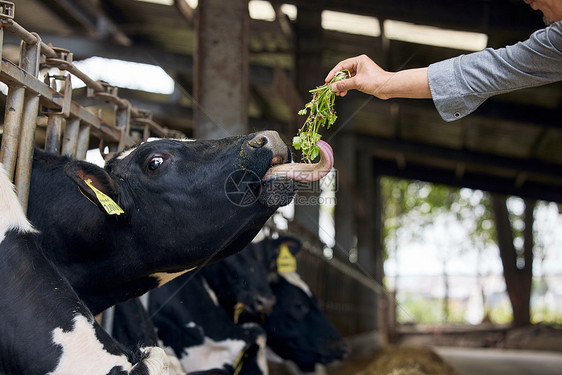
(297, 330)
(190, 321)
(176, 214)
(44, 326)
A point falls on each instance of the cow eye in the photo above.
(155, 162)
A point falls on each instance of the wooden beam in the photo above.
(472, 160)
(469, 15)
(495, 184)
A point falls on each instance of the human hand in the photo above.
(366, 76)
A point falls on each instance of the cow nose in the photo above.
(270, 139)
(264, 304)
(258, 141)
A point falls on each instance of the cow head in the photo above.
(183, 203)
(202, 198)
(297, 329)
(240, 284)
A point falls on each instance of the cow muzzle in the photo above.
(281, 162)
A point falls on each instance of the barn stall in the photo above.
(509, 146)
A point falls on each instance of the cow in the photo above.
(240, 284)
(45, 327)
(132, 327)
(297, 329)
(189, 319)
(159, 209)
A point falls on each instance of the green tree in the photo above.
(487, 220)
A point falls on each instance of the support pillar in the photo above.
(308, 59)
(221, 68)
(344, 216)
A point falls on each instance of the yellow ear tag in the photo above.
(108, 204)
(286, 262)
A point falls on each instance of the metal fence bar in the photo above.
(56, 118)
(12, 122)
(70, 138)
(54, 133)
(30, 55)
(26, 93)
(83, 142)
(25, 150)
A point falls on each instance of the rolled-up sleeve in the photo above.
(459, 85)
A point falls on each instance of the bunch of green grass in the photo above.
(320, 113)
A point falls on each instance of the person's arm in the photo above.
(461, 84)
(368, 77)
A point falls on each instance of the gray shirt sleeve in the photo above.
(459, 85)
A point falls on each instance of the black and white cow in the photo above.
(189, 319)
(240, 284)
(183, 202)
(44, 326)
(140, 328)
(297, 329)
(133, 327)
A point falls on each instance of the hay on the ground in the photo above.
(407, 361)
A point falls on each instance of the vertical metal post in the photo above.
(144, 299)
(9, 146)
(83, 142)
(70, 139)
(54, 132)
(55, 118)
(107, 319)
(25, 151)
(29, 61)
(12, 123)
(123, 123)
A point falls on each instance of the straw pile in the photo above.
(396, 360)
(407, 361)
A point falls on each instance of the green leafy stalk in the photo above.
(320, 113)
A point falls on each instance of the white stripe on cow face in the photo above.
(126, 153)
(83, 353)
(211, 354)
(295, 279)
(12, 216)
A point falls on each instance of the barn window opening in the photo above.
(290, 11)
(261, 10)
(160, 2)
(434, 36)
(350, 23)
(136, 76)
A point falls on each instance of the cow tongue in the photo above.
(305, 171)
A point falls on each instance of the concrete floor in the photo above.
(469, 361)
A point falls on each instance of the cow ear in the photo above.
(96, 184)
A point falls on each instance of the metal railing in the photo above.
(69, 125)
